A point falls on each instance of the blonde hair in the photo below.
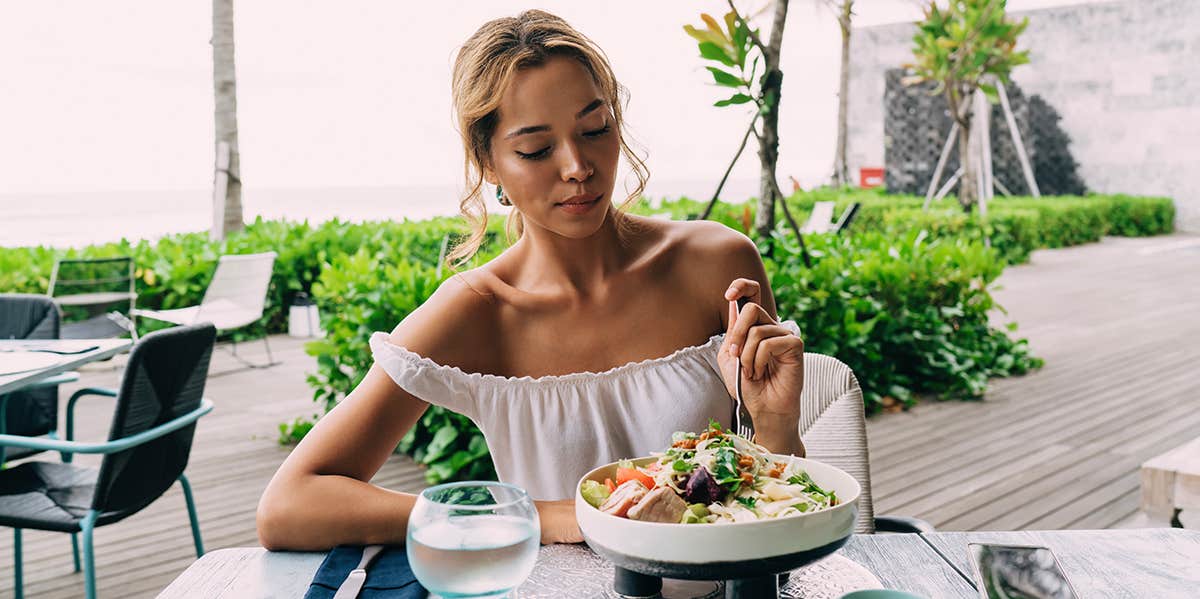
(483, 69)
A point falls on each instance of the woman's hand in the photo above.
(772, 369)
(558, 522)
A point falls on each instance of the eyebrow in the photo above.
(597, 103)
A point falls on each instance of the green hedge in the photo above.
(174, 271)
(1014, 226)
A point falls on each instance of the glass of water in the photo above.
(473, 539)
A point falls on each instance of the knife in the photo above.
(354, 581)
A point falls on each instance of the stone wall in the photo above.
(1123, 75)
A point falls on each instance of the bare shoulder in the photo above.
(714, 251)
(715, 241)
(714, 255)
(454, 322)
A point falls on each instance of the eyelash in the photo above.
(540, 154)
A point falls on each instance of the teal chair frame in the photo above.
(68, 449)
(58, 379)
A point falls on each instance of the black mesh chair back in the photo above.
(31, 413)
(26, 316)
(164, 379)
(97, 296)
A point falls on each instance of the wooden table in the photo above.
(1171, 481)
(105, 348)
(1148, 562)
(1104, 563)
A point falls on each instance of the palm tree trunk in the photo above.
(841, 171)
(225, 110)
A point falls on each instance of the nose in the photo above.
(576, 167)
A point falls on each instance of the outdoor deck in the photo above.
(1116, 322)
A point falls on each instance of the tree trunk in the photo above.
(768, 157)
(768, 142)
(225, 111)
(841, 170)
(967, 185)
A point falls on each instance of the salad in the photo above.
(711, 477)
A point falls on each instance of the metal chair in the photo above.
(150, 438)
(33, 411)
(834, 429)
(236, 297)
(92, 286)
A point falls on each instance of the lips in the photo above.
(579, 200)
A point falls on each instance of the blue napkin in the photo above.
(388, 576)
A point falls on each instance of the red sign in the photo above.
(869, 177)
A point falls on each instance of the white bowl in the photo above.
(710, 551)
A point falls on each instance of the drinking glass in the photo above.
(473, 539)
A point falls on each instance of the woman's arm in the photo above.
(772, 358)
(320, 496)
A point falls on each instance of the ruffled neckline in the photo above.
(381, 338)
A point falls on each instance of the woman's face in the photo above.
(555, 148)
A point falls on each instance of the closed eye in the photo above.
(540, 154)
(597, 132)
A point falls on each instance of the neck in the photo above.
(580, 267)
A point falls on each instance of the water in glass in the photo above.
(473, 539)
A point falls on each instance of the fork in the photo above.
(743, 425)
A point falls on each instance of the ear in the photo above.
(489, 174)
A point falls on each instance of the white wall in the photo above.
(1124, 75)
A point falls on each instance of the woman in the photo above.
(566, 348)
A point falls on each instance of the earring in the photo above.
(500, 197)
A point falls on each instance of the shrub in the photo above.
(908, 314)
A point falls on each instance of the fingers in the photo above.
(750, 354)
(744, 288)
(774, 350)
(751, 315)
(739, 288)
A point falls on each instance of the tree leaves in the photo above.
(726, 79)
(712, 51)
(735, 99)
(728, 44)
(964, 42)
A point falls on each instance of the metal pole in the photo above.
(1026, 169)
(1000, 186)
(941, 164)
(949, 184)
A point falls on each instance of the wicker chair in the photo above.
(834, 430)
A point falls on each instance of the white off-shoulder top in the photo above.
(545, 433)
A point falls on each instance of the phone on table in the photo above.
(1019, 572)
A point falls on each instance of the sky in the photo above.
(117, 95)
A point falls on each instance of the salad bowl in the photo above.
(728, 551)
